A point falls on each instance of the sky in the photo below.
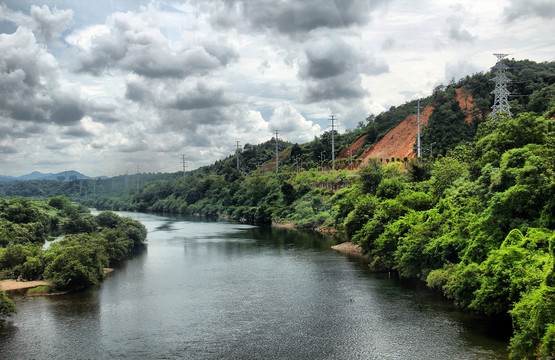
(110, 87)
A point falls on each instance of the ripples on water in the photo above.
(225, 291)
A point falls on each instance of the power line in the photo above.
(277, 150)
(183, 163)
(237, 152)
(419, 147)
(532, 48)
(138, 179)
(332, 119)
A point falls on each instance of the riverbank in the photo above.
(9, 285)
(351, 250)
(283, 225)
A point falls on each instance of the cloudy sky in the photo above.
(106, 86)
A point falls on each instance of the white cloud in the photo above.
(160, 79)
(292, 125)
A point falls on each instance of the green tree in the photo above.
(74, 263)
(7, 307)
(507, 273)
(371, 175)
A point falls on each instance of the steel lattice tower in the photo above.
(501, 102)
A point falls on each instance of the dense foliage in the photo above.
(87, 246)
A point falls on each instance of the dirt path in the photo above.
(18, 285)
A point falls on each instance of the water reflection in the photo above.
(219, 290)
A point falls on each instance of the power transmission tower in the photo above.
(183, 163)
(418, 146)
(332, 119)
(501, 102)
(237, 153)
(277, 150)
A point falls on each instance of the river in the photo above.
(214, 290)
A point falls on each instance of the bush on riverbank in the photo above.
(7, 306)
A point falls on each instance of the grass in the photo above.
(39, 290)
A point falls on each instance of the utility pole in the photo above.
(183, 163)
(332, 119)
(418, 143)
(351, 158)
(501, 102)
(138, 180)
(277, 150)
(237, 153)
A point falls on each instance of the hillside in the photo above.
(400, 142)
(36, 175)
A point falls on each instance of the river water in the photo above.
(213, 290)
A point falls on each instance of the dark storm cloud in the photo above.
(138, 91)
(203, 95)
(134, 146)
(78, 132)
(191, 120)
(456, 32)
(66, 109)
(189, 94)
(12, 129)
(28, 83)
(103, 113)
(333, 69)
(529, 8)
(293, 17)
(6, 149)
(333, 57)
(135, 45)
(330, 89)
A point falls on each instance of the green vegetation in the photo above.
(90, 243)
(40, 290)
(476, 221)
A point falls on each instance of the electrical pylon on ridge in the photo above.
(501, 102)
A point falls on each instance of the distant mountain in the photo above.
(36, 175)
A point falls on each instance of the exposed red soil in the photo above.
(346, 152)
(399, 142)
(271, 165)
(466, 101)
